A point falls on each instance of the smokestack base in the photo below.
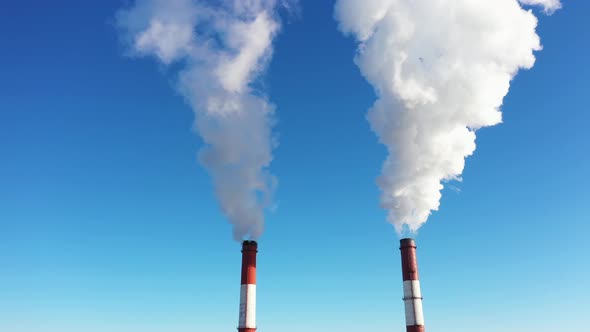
(246, 329)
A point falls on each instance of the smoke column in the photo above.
(221, 48)
(440, 70)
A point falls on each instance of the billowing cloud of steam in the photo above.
(440, 70)
(222, 47)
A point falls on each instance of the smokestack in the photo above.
(412, 294)
(247, 320)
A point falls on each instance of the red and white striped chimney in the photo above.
(247, 320)
(412, 294)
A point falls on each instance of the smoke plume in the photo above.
(221, 48)
(440, 70)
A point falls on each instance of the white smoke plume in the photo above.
(222, 47)
(440, 69)
(549, 6)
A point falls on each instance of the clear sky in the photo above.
(108, 223)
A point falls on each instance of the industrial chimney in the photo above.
(247, 320)
(412, 294)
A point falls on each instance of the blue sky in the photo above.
(108, 223)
